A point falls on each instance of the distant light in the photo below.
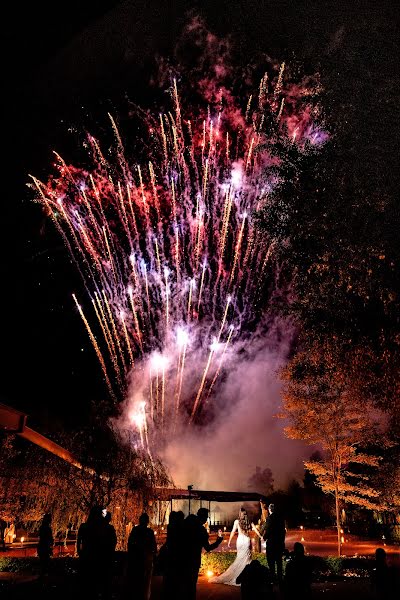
(214, 345)
(158, 361)
(22, 540)
(182, 337)
(210, 574)
(138, 418)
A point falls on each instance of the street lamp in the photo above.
(190, 487)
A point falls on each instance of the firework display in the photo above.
(174, 267)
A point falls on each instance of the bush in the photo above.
(218, 562)
(9, 564)
(322, 567)
(334, 564)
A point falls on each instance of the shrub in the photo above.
(218, 562)
(9, 564)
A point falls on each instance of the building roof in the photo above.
(207, 495)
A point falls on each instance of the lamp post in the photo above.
(190, 487)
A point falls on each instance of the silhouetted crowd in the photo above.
(179, 560)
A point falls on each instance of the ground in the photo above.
(341, 590)
(319, 542)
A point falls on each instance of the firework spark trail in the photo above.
(201, 387)
(201, 287)
(171, 242)
(107, 337)
(128, 344)
(220, 364)
(95, 346)
(180, 380)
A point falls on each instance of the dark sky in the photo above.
(71, 60)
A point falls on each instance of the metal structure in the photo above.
(14, 422)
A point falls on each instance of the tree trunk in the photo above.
(338, 523)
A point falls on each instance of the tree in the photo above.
(262, 481)
(335, 220)
(325, 407)
(114, 475)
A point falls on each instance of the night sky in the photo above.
(63, 68)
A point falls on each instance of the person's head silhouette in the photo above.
(380, 556)
(95, 515)
(144, 520)
(46, 519)
(298, 550)
(202, 513)
(108, 517)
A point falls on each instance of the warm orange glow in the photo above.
(22, 540)
(210, 574)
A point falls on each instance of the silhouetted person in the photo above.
(91, 546)
(142, 549)
(45, 544)
(260, 525)
(107, 558)
(255, 581)
(274, 532)
(383, 577)
(173, 548)
(297, 574)
(3, 526)
(195, 539)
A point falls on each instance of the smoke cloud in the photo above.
(245, 431)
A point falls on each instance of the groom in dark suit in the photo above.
(274, 532)
(195, 538)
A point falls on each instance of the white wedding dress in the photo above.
(243, 558)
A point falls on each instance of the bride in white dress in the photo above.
(243, 547)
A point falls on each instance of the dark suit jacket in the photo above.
(274, 532)
(195, 538)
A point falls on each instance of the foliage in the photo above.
(261, 481)
(324, 405)
(218, 562)
(322, 567)
(114, 475)
(9, 564)
(337, 251)
(335, 564)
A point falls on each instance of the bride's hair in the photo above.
(244, 521)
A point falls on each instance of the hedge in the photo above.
(322, 567)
